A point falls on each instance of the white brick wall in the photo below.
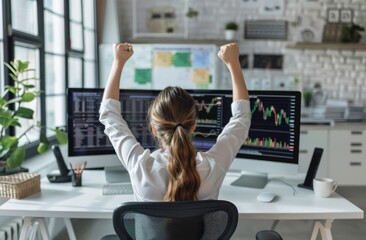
(337, 70)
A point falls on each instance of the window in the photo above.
(2, 83)
(55, 54)
(24, 16)
(82, 44)
(59, 39)
(76, 25)
(90, 66)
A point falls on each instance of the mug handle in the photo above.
(335, 185)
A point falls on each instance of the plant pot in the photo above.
(230, 34)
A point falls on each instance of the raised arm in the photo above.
(229, 54)
(121, 53)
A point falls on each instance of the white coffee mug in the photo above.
(324, 187)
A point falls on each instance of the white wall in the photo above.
(342, 73)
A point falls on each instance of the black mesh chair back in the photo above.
(208, 219)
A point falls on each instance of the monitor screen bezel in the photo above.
(296, 94)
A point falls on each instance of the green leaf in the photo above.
(42, 147)
(28, 79)
(28, 86)
(14, 77)
(30, 70)
(28, 97)
(14, 100)
(22, 66)
(11, 68)
(9, 142)
(2, 102)
(11, 89)
(5, 114)
(43, 137)
(61, 136)
(6, 123)
(24, 113)
(5, 118)
(16, 158)
(15, 122)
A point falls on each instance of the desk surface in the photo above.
(64, 201)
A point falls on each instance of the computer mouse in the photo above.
(266, 197)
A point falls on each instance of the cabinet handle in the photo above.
(304, 132)
(356, 151)
(355, 163)
(356, 144)
(356, 132)
(303, 151)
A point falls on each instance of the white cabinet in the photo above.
(310, 138)
(347, 156)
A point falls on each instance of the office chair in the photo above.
(206, 219)
(268, 235)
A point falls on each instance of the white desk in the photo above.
(64, 201)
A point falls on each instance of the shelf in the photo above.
(171, 40)
(339, 46)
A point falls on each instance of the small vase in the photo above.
(230, 34)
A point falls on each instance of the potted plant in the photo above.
(307, 94)
(192, 13)
(351, 33)
(13, 108)
(230, 30)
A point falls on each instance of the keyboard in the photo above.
(117, 188)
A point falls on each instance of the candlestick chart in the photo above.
(272, 126)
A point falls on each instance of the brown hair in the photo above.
(173, 115)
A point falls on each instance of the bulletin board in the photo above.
(156, 66)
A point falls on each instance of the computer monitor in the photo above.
(276, 119)
(88, 143)
(272, 145)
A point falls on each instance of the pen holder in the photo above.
(76, 179)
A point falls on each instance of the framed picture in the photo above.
(333, 15)
(346, 15)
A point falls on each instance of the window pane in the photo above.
(75, 10)
(89, 13)
(32, 55)
(56, 6)
(55, 74)
(75, 72)
(89, 45)
(2, 83)
(24, 16)
(56, 112)
(76, 32)
(90, 80)
(54, 37)
(1, 22)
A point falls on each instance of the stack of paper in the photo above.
(329, 112)
(354, 113)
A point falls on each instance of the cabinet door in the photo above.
(347, 158)
(309, 140)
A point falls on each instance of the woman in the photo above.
(175, 171)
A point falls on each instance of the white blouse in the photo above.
(147, 170)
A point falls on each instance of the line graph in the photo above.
(279, 117)
(211, 133)
(207, 107)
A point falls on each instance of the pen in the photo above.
(83, 167)
(71, 168)
(78, 168)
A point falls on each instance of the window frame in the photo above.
(12, 36)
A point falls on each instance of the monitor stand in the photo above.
(116, 174)
(251, 180)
